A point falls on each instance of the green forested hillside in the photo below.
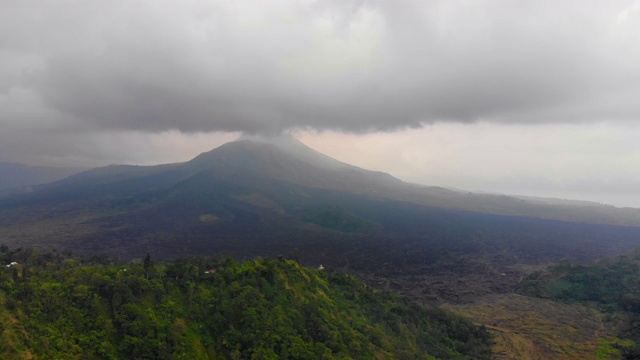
(56, 307)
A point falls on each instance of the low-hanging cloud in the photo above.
(357, 66)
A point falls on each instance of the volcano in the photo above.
(271, 197)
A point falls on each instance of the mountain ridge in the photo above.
(287, 159)
(14, 175)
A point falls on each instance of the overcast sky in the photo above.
(525, 97)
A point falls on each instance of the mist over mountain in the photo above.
(516, 99)
(14, 175)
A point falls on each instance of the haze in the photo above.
(520, 97)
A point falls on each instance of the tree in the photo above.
(147, 265)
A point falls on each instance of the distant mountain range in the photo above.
(14, 175)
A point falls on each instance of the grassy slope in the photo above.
(610, 285)
(536, 329)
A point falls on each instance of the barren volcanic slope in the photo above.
(255, 198)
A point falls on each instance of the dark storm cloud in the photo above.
(344, 65)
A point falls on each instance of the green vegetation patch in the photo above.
(336, 218)
(209, 218)
(613, 285)
(55, 307)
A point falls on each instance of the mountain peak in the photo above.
(279, 139)
(295, 148)
(287, 159)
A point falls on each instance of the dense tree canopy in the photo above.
(53, 306)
